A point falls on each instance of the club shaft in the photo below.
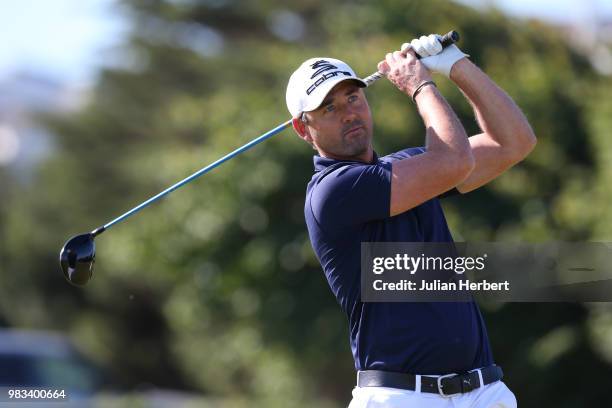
(448, 39)
(195, 175)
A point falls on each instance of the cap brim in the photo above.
(322, 90)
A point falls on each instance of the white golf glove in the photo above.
(433, 56)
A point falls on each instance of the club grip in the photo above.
(449, 38)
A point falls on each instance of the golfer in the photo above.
(430, 355)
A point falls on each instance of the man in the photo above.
(407, 354)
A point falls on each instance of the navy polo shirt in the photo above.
(347, 202)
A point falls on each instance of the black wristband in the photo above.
(420, 87)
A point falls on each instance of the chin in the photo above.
(359, 147)
(357, 151)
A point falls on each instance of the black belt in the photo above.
(444, 385)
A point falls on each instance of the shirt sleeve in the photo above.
(415, 151)
(352, 195)
(405, 153)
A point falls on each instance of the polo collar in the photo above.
(321, 163)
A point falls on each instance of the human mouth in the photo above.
(352, 131)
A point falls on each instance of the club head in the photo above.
(77, 258)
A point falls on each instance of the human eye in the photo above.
(329, 108)
(353, 98)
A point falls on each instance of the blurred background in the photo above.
(213, 296)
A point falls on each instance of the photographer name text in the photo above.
(438, 285)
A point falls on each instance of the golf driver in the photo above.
(78, 254)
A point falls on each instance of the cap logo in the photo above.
(320, 67)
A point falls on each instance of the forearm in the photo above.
(445, 133)
(497, 114)
(447, 162)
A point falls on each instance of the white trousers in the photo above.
(494, 395)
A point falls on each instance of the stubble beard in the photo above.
(347, 147)
(354, 145)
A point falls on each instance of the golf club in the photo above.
(78, 254)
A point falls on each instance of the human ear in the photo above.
(301, 129)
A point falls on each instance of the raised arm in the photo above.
(448, 159)
(507, 137)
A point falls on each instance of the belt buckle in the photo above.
(440, 390)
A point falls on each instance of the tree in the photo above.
(216, 287)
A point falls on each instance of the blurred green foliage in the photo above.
(216, 289)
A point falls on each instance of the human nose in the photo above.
(348, 113)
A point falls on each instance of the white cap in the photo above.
(313, 80)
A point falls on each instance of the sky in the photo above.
(66, 38)
(63, 38)
(553, 10)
